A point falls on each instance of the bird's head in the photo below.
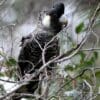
(54, 18)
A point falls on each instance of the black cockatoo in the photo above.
(30, 57)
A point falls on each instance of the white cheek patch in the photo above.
(46, 21)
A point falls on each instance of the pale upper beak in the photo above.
(63, 20)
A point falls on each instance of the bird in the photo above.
(30, 56)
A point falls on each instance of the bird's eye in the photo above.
(55, 15)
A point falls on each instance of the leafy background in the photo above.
(77, 78)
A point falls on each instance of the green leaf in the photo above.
(1, 74)
(88, 63)
(2, 90)
(69, 68)
(82, 54)
(87, 77)
(79, 28)
(97, 74)
(95, 55)
(11, 62)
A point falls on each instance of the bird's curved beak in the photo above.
(63, 20)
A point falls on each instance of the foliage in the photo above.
(2, 90)
(11, 62)
(83, 73)
(79, 28)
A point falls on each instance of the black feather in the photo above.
(31, 51)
